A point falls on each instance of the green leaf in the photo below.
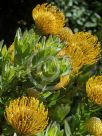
(61, 111)
(1, 44)
(4, 51)
(25, 44)
(52, 99)
(67, 128)
(46, 94)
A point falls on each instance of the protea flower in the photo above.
(94, 89)
(88, 44)
(48, 19)
(27, 115)
(94, 126)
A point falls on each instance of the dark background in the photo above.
(14, 14)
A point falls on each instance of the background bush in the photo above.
(82, 15)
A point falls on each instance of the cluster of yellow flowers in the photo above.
(81, 47)
(49, 20)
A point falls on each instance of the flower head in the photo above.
(94, 126)
(89, 45)
(76, 56)
(27, 115)
(94, 89)
(65, 34)
(48, 19)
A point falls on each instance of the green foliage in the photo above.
(35, 64)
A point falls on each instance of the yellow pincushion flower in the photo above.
(48, 19)
(89, 45)
(94, 126)
(76, 56)
(65, 34)
(94, 89)
(27, 115)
